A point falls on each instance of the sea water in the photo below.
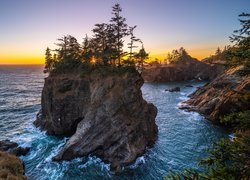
(183, 137)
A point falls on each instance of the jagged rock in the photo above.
(176, 89)
(11, 167)
(112, 119)
(226, 94)
(184, 70)
(13, 148)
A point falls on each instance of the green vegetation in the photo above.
(230, 158)
(103, 49)
(176, 55)
(239, 53)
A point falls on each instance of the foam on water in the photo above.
(183, 136)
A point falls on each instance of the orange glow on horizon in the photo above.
(21, 60)
(39, 59)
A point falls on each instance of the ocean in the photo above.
(183, 137)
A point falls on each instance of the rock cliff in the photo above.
(227, 93)
(105, 113)
(185, 69)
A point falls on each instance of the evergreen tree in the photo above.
(120, 30)
(218, 51)
(239, 54)
(131, 45)
(141, 56)
(87, 52)
(48, 61)
(182, 52)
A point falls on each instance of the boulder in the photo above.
(105, 112)
(176, 89)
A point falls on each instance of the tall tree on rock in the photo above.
(141, 56)
(131, 45)
(48, 61)
(120, 30)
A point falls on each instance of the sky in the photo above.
(27, 27)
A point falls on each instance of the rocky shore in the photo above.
(226, 94)
(105, 114)
(11, 166)
(185, 69)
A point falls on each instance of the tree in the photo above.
(239, 54)
(131, 45)
(141, 56)
(69, 53)
(120, 29)
(87, 52)
(48, 61)
(218, 52)
(182, 52)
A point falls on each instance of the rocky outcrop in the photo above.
(11, 167)
(226, 94)
(112, 119)
(183, 70)
(176, 89)
(13, 148)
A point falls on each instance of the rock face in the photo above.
(182, 70)
(226, 94)
(11, 167)
(112, 119)
(13, 148)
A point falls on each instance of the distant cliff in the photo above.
(105, 112)
(184, 69)
(226, 94)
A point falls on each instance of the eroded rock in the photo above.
(226, 94)
(113, 121)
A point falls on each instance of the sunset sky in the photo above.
(27, 27)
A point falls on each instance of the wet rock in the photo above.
(106, 114)
(176, 89)
(226, 94)
(13, 148)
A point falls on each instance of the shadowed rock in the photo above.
(186, 69)
(176, 89)
(13, 148)
(113, 121)
(226, 94)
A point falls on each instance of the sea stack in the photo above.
(105, 113)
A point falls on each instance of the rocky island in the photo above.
(105, 113)
(94, 96)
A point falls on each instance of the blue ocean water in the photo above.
(183, 136)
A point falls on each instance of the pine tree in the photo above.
(48, 61)
(141, 56)
(120, 30)
(131, 45)
(87, 52)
